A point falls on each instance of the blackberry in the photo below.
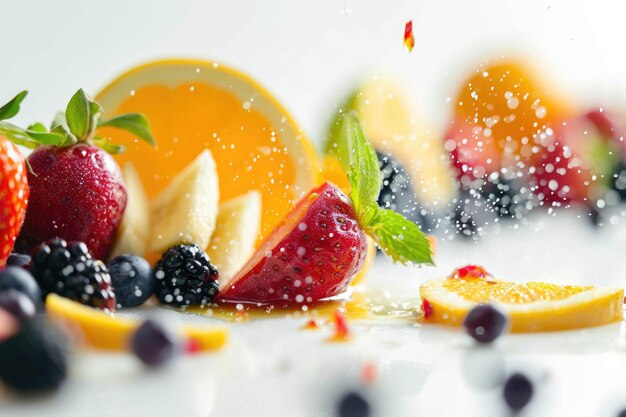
(397, 193)
(35, 358)
(509, 197)
(185, 276)
(67, 269)
(471, 215)
(619, 180)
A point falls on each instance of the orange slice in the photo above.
(532, 307)
(101, 331)
(194, 105)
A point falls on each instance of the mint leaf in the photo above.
(358, 159)
(12, 107)
(135, 123)
(77, 114)
(399, 238)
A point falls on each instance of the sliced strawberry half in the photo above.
(313, 254)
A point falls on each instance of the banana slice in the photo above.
(186, 210)
(233, 243)
(132, 235)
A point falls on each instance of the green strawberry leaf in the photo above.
(399, 238)
(66, 137)
(12, 107)
(135, 123)
(105, 144)
(37, 127)
(77, 114)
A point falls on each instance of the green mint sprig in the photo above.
(77, 124)
(399, 238)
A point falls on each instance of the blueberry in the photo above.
(19, 279)
(518, 391)
(152, 344)
(132, 280)
(18, 259)
(485, 323)
(35, 358)
(397, 192)
(17, 304)
(353, 404)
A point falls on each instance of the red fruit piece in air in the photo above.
(13, 196)
(313, 254)
(77, 194)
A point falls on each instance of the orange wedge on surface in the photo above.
(194, 105)
(532, 307)
(101, 331)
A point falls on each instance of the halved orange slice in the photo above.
(194, 105)
(532, 307)
(99, 330)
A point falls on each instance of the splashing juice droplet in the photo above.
(409, 39)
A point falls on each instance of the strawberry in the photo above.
(13, 196)
(320, 246)
(77, 194)
(312, 255)
(13, 182)
(76, 189)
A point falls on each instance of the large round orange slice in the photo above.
(194, 105)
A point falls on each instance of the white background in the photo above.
(309, 54)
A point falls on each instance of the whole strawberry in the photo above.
(13, 183)
(77, 192)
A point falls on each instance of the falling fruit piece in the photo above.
(342, 332)
(409, 39)
(531, 307)
(101, 331)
